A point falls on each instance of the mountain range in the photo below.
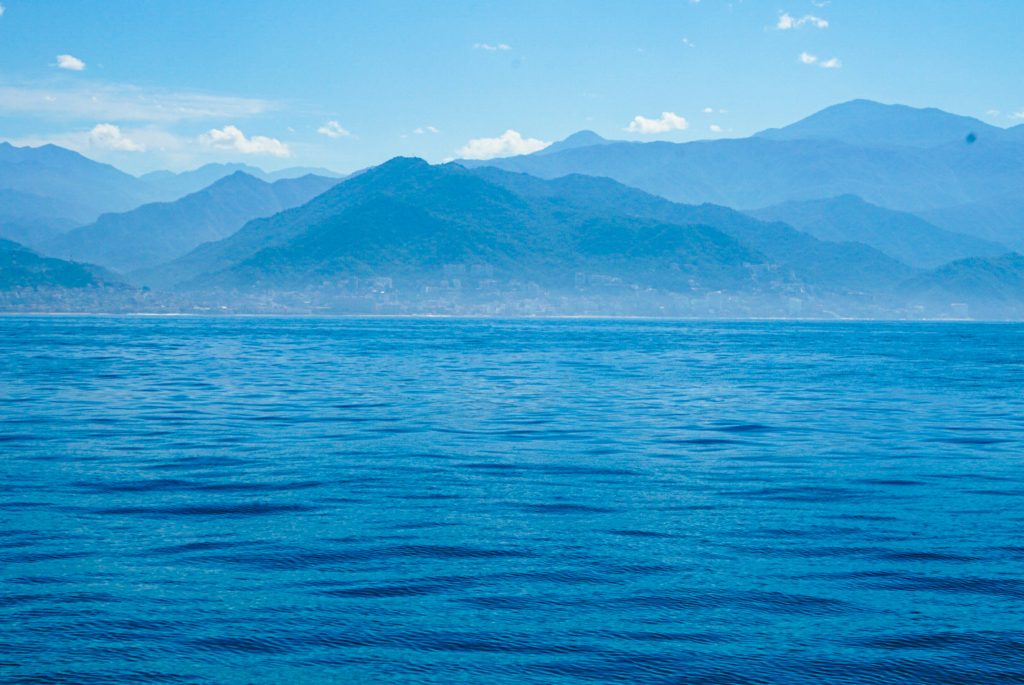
(48, 190)
(901, 235)
(837, 152)
(863, 208)
(412, 222)
(21, 267)
(159, 232)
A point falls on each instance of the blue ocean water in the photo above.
(464, 501)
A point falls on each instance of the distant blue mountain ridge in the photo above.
(860, 200)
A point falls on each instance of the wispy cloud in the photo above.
(688, 43)
(787, 22)
(492, 47)
(332, 129)
(507, 144)
(426, 129)
(2, 10)
(112, 102)
(715, 128)
(110, 137)
(1018, 115)
(109, 141)
(668, 121)
(231, 138)
(70, 62)
(831, 63)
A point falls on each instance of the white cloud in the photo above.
(1018, 115)
(708, 110)
(110, 137)
(508, 143)
(831, 63)
(688, 43)
(231, 138)
(426, 129)
(2, 10)
(715, 128)
(489, 47)
(105, 102)
(70, 62)
(668, 121)
(332, 129)
(787, 21)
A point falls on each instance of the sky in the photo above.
(346, 85)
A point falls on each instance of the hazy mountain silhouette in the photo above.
(998, 218)
(873, 124)
(20, 267)
(158, 232)
(800, 256)
(769, 169)
(169, 186)
(409, 220)
(900, 235)
(578, 139)
(992, 286)
(79, 188)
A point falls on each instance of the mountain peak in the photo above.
(585, 138)
(870, 123)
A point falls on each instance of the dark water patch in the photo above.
(197, 546)
(992, 587)
(759, 601)
(241, 644)
(889, 482)
(150, 485)
(204, 462)
(225, 509)
(803, 493)
(43, 556)
(260, 487)
(562, 508)
(453, 552)
(704, 442)
(744, 428)
(921, 556)
(971, 441)
(641, 534)
(425, 586)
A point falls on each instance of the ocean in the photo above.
(388, 500)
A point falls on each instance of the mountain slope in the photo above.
(20, 267)
(169, 186)
(411, 221)
(159, 232)
(801, 256)
(761, 171)
(993, 286)
(998, 219)
(578, 139)
(873, 124)
(900, 235)
(79, 188)
(408, 220)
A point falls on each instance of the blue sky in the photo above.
(147, 85)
